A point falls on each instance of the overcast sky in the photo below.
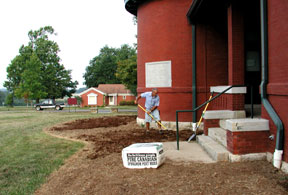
(83, 27)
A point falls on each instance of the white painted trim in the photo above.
(125, 94)
(87, 90)
(234, 90)
(92, 95)
(111, 103)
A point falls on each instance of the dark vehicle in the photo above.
(49, 104)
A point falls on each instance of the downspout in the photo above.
(277, 157)
(194, 89)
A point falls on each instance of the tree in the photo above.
(30, 86)
(127, 73)
(2, 97)
(36, 72)
(9, 100)
(102, 68)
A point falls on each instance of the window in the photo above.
(92, 99)
(124, 97)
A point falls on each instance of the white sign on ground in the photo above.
(143, 155)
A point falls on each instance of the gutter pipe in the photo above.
(194, 89)
(277, 157)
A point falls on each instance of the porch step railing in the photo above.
(208, 101)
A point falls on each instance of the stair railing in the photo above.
(208, 101)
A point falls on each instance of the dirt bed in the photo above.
(98, 168)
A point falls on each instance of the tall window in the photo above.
(92, 99)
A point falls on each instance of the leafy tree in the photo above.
(30, 86)
(127, 73)
(79, 100)
(102, 68)
(36, 72)
(9, 99)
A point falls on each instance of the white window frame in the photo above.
(92, 95)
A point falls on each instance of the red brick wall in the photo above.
(165, 34)
(211, 57)
(85, 98)
(235, 44)
(128, 98)
(278, 68)
(210, 123)
(247, 142)
(229, 101)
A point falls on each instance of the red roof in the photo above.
(113, 88)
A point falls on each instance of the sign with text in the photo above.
(143, 155)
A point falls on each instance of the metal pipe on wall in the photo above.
(277, 157)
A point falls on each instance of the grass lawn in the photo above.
(27, 154)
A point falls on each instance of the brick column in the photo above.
(236, 66)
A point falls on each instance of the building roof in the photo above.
(107, 89)
(132, 5)
(91, 89)
(113, 88)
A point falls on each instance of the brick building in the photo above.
(189, 48)
(106, 95)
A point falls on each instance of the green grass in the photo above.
(27, 154)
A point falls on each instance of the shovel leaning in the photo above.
(195, 127)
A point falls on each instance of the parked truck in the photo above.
(49, 103)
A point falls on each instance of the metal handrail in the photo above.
(208, 101)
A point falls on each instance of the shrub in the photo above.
(127, 103)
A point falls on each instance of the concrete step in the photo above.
(247, 124)
(224, 114)
(215, 150)
(219, 135)
(222, 124)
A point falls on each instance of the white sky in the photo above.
(83, 27)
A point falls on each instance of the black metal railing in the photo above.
(208, 101)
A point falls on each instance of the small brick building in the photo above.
(106, 95)
(189, 48)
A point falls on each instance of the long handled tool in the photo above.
(199, 122)
(151, 116)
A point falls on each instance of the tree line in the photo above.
(36, 72)
(113, 66)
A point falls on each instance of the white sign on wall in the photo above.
(158, 74)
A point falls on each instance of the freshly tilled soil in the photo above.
(98, 168)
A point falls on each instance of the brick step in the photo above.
(219, 135)
(215, 150)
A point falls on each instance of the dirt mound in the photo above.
(95, 123)
(103, 173)
(112, 134)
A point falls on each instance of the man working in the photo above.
(151, 104)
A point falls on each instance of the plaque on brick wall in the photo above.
(158, 74)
